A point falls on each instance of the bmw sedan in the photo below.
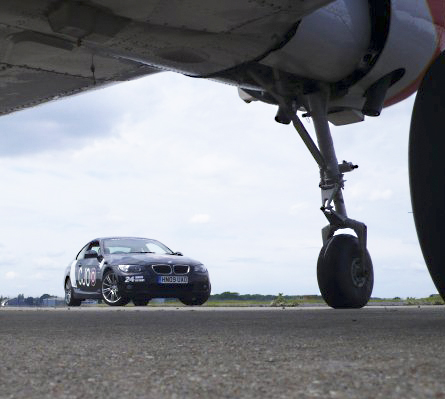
(123, 269)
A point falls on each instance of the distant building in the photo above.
(52, 302)
(46, 301)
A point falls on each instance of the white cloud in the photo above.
(11, 275)
(297, 209)
(47, 262)
(200, 218)
(377, 195)
(41, 276)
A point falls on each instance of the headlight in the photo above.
(200, 268)
(129, 268)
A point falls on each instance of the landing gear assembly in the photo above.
(344, 269)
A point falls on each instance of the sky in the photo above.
(187, 162)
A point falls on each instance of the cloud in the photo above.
(11, 275)
(40, 276)
(31, 131)
(7, 259)
(297, 209)
(200, 218)
(48, 262)
(70, 123)
(253, 261)
(384, 194)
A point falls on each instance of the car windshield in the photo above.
(134, 245)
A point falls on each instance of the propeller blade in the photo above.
(427, 169)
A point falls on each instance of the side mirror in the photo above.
(178, 253)
(91, 253)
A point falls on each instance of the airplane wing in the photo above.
(50, 49)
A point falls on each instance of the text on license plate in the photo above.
(173, 279)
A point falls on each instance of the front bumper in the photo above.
(147, 286)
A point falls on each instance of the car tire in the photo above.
(69, 295)
(140, 302)
(195, 299)
(110, 290)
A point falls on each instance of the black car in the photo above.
(123, 269)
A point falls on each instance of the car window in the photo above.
(157, 249)
(119, 250)
(95, 247)
(81, 253)
(134, 245)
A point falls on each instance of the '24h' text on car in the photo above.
(123, 269)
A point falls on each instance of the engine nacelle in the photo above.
(372, 52)
(329, 44)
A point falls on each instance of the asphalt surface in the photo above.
(223, 353)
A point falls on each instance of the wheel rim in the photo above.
(67, 293)
(358, 275)
(110, 290)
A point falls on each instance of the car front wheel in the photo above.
(110, 290)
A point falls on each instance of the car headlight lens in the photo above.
(200, 268)
(129, 268)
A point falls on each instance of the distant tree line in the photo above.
(230, 296)
(225, 296)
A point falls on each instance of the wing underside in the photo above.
(51, 49)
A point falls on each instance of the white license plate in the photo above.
(173, 279)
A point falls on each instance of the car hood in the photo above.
(144, 259)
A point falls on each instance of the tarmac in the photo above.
(375, 352)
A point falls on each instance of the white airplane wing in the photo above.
(50, 49)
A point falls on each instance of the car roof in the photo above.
(120, 237)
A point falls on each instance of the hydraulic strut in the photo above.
(331, 172)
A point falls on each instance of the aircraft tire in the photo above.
(427, 169)
(341, 286)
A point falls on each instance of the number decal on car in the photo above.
(134, 279)
(80, 279)
(87, 276)
(93, 277)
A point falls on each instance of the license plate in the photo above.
(173, 279)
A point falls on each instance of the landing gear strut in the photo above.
(344, 269)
